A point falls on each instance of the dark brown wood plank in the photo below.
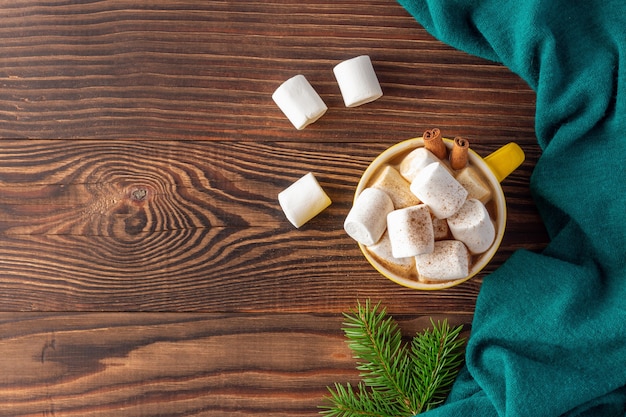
(183, 226)
(205, 70)
(176, 364)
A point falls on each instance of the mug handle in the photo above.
(505, 160)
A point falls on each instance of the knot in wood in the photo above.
(139, 194)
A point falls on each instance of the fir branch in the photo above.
(383, 360)
(397, 380)
(362, 402)
(437, 356)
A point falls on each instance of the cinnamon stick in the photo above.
(459, 154)
(434, 143)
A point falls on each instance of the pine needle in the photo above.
(397, 379)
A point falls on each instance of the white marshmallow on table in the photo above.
(437, 188)
(410, 231)
(449, 260)
(367, 220)
(299, 101)
(303, 200)
(474, 183)
(390, 181)
(415, 161)
(357, 81)
(473, 226)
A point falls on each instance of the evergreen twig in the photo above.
(398, 379)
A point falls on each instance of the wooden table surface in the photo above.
(146, 267)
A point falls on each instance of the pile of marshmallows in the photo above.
(428, 214)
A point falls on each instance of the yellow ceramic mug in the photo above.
(494, 168)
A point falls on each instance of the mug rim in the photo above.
(500, 223)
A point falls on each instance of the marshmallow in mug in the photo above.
(303, 200)
(415, 161)
(437, 188)
(473, 226)
(367, 220)
(475, 185)
(382, 250)
(448, 261)
(390, 181)
(441, 229)
(410, 231)
(357, 81)
(299, 101)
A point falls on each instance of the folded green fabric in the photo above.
(549, 332)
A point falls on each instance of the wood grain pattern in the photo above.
(146, 268)
(206, 70)
(187, 226)
(175, 364)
